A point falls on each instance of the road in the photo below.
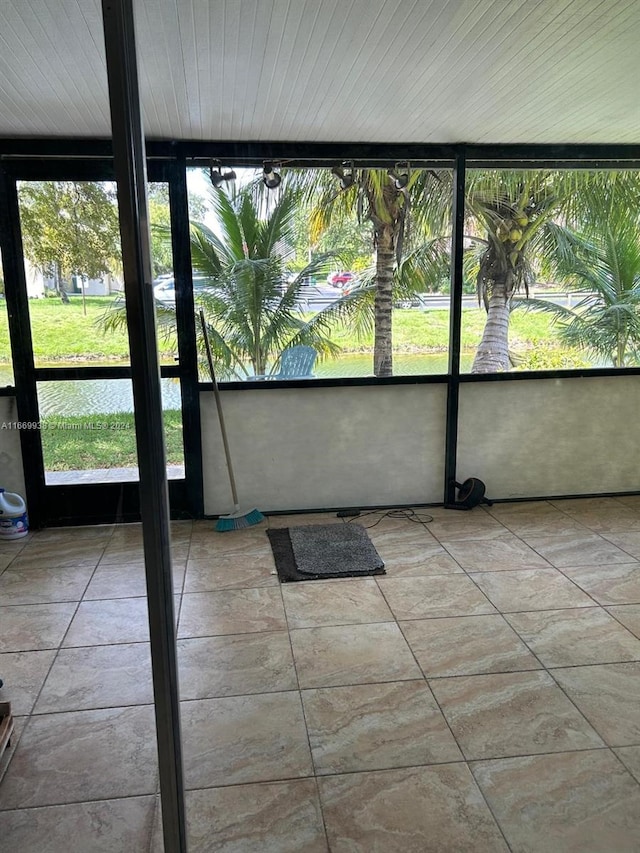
(439, 302)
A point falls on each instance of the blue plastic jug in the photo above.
(14, 523)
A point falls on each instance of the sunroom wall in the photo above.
(548, 437)
(313, 448)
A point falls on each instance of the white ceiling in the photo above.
(536, 71)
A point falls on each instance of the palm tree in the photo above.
(385, 199)
(513, 209)
(603, 260)
(250, 302)
(517, 211)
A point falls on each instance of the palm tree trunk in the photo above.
(382, 345)
(492, 355)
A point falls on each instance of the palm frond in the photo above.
(278, 227)
(604, 262)
(232, 245)
(208, 253)
(423, 270)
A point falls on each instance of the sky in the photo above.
(200, 185)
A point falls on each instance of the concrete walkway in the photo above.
(105, 475)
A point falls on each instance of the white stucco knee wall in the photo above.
(325, 447)
(551, 436)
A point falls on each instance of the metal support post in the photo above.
(455, 322)
(129, 161)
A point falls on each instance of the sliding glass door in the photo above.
(79, 340)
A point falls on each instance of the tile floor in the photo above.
(483, 695)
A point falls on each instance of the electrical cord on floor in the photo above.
(406, 514)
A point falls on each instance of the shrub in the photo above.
(552, 358)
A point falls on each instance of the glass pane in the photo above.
(556, 255)
(173, 437)
(88, 431)
(88, 434)
(73, 265)
(163, 280)
(356, 267)
(74, 271)
(6, 367)
(163, 285)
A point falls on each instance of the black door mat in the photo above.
(321, 551)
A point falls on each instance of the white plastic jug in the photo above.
(13, 516)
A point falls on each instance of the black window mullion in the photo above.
(186, 330)
(455, 324)
(21, 345)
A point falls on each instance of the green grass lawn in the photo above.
(70, 444)
(428, 331)
(62, 333)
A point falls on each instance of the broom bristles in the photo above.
(239, 520)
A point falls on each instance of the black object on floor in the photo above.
(470, 495)
(321, 551)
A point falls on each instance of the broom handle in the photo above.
(216, 393)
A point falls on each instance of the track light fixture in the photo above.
(270, 177)
(217, 176)
(400, 175)
(344, 174)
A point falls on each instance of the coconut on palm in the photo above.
(502, 232)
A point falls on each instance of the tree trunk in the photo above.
(59, 285)
(385, 262)
(492, 355)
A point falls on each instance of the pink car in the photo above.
(339, 279)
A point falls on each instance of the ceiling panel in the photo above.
(555, 71)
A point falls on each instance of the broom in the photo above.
(237, 519)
